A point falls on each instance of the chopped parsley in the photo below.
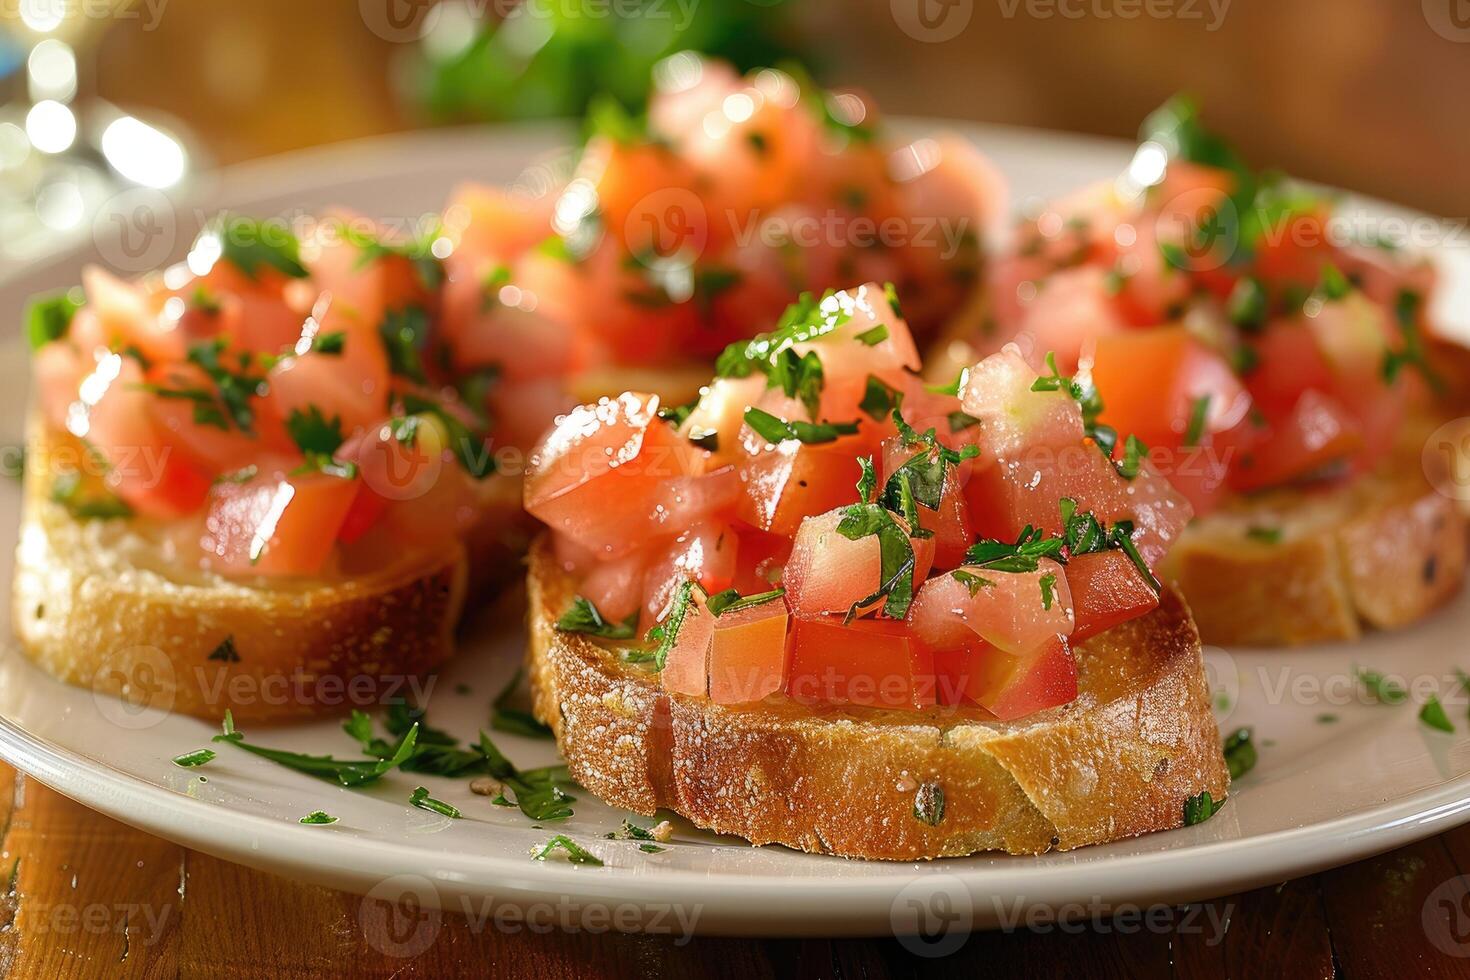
(584, 617)
(352, 772)
(1086, 396)
(778, 430)
(1379, 687)
(1248, 306)
(666, 634)
(1199, 413)
(66, 490)
(421, 799)
(506, 718)
(318, 818)
(418, 252)
(874, 335)
(896, 558)
(313, 432)
(1198, 809)
(249, 245)
(972, 582)
(1265, 535)
(799, 377)
(1412, 354)
(575, 853)
(1240, 753)
(49, 318)
(1433, 715)
(468, 448)
(1048, 590)
(879, 398)
(731, 601)
(1024, 555)
(195, 759)
(405, 334)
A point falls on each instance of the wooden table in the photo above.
(89, 897)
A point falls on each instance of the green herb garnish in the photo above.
(1198, 809)
(421, 799)
(195, 759)
(583, 617)
(575, 853)
(1240, 753)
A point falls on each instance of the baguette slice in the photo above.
(1292, 567)
(1118, 762)
(100, 604)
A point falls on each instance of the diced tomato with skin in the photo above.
(867, 662)
(685, 501)
(957, 680)
(847, 361)
(721, 410)
(284, 526)
(686, 668)
(147, 469)
(616, 587)
(1382, 273)
(1287, 361)
(119, 315)
(1107, 589)
(1294, 252)
(362, 291)
(635, 321)
(366, 512)
(57, 371)
(487, 322)
(1149, 286)
(748, 656)
(787, 482)
(1070, 310)
(1151, 382)
(1015, 611)
(427, 499)
(593, 476)
(1317, 432)
(1012, 686)
(705, 554)
(1012, 417)
(1355, 335)
(829, 573)
(491, 223)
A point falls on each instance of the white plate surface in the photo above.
(1322, 794)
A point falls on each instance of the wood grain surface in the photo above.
(84, 896)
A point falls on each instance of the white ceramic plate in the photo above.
(1322, 794)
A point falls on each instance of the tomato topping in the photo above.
(1013, 686)
(594, 475)
(830, 573)
(1015, 611)
(1107, 589)
(866, 662)
(276, 526)
(748, 654)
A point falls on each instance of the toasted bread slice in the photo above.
(1292, 567)
(1119, 761)
(101, 604)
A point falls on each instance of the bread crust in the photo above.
(1380, 552)
(97, 615)
(1118, 762)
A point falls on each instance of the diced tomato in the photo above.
(1012, 416)
(686, 669)
(705, 554)
(1317, 432)
(721, 410)
(787, 482)
(57, 371)
(487, 222)
(1287, 361)
(1013, 686)
(120, 315)
(276, 526)
(217, 445)
(146, 468)
(1107, 589)
(616, 587)
(489, 322)
(1014, 611)
(957, 679)
(1070, 309)
(593, 477)
(867, 662)
(748, 654)
(1153, 384)
(829, 573)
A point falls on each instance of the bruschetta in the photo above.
(1278, 368)
(683, 230)
(250, 478)
(828, 606)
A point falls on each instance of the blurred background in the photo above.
(96, 94)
